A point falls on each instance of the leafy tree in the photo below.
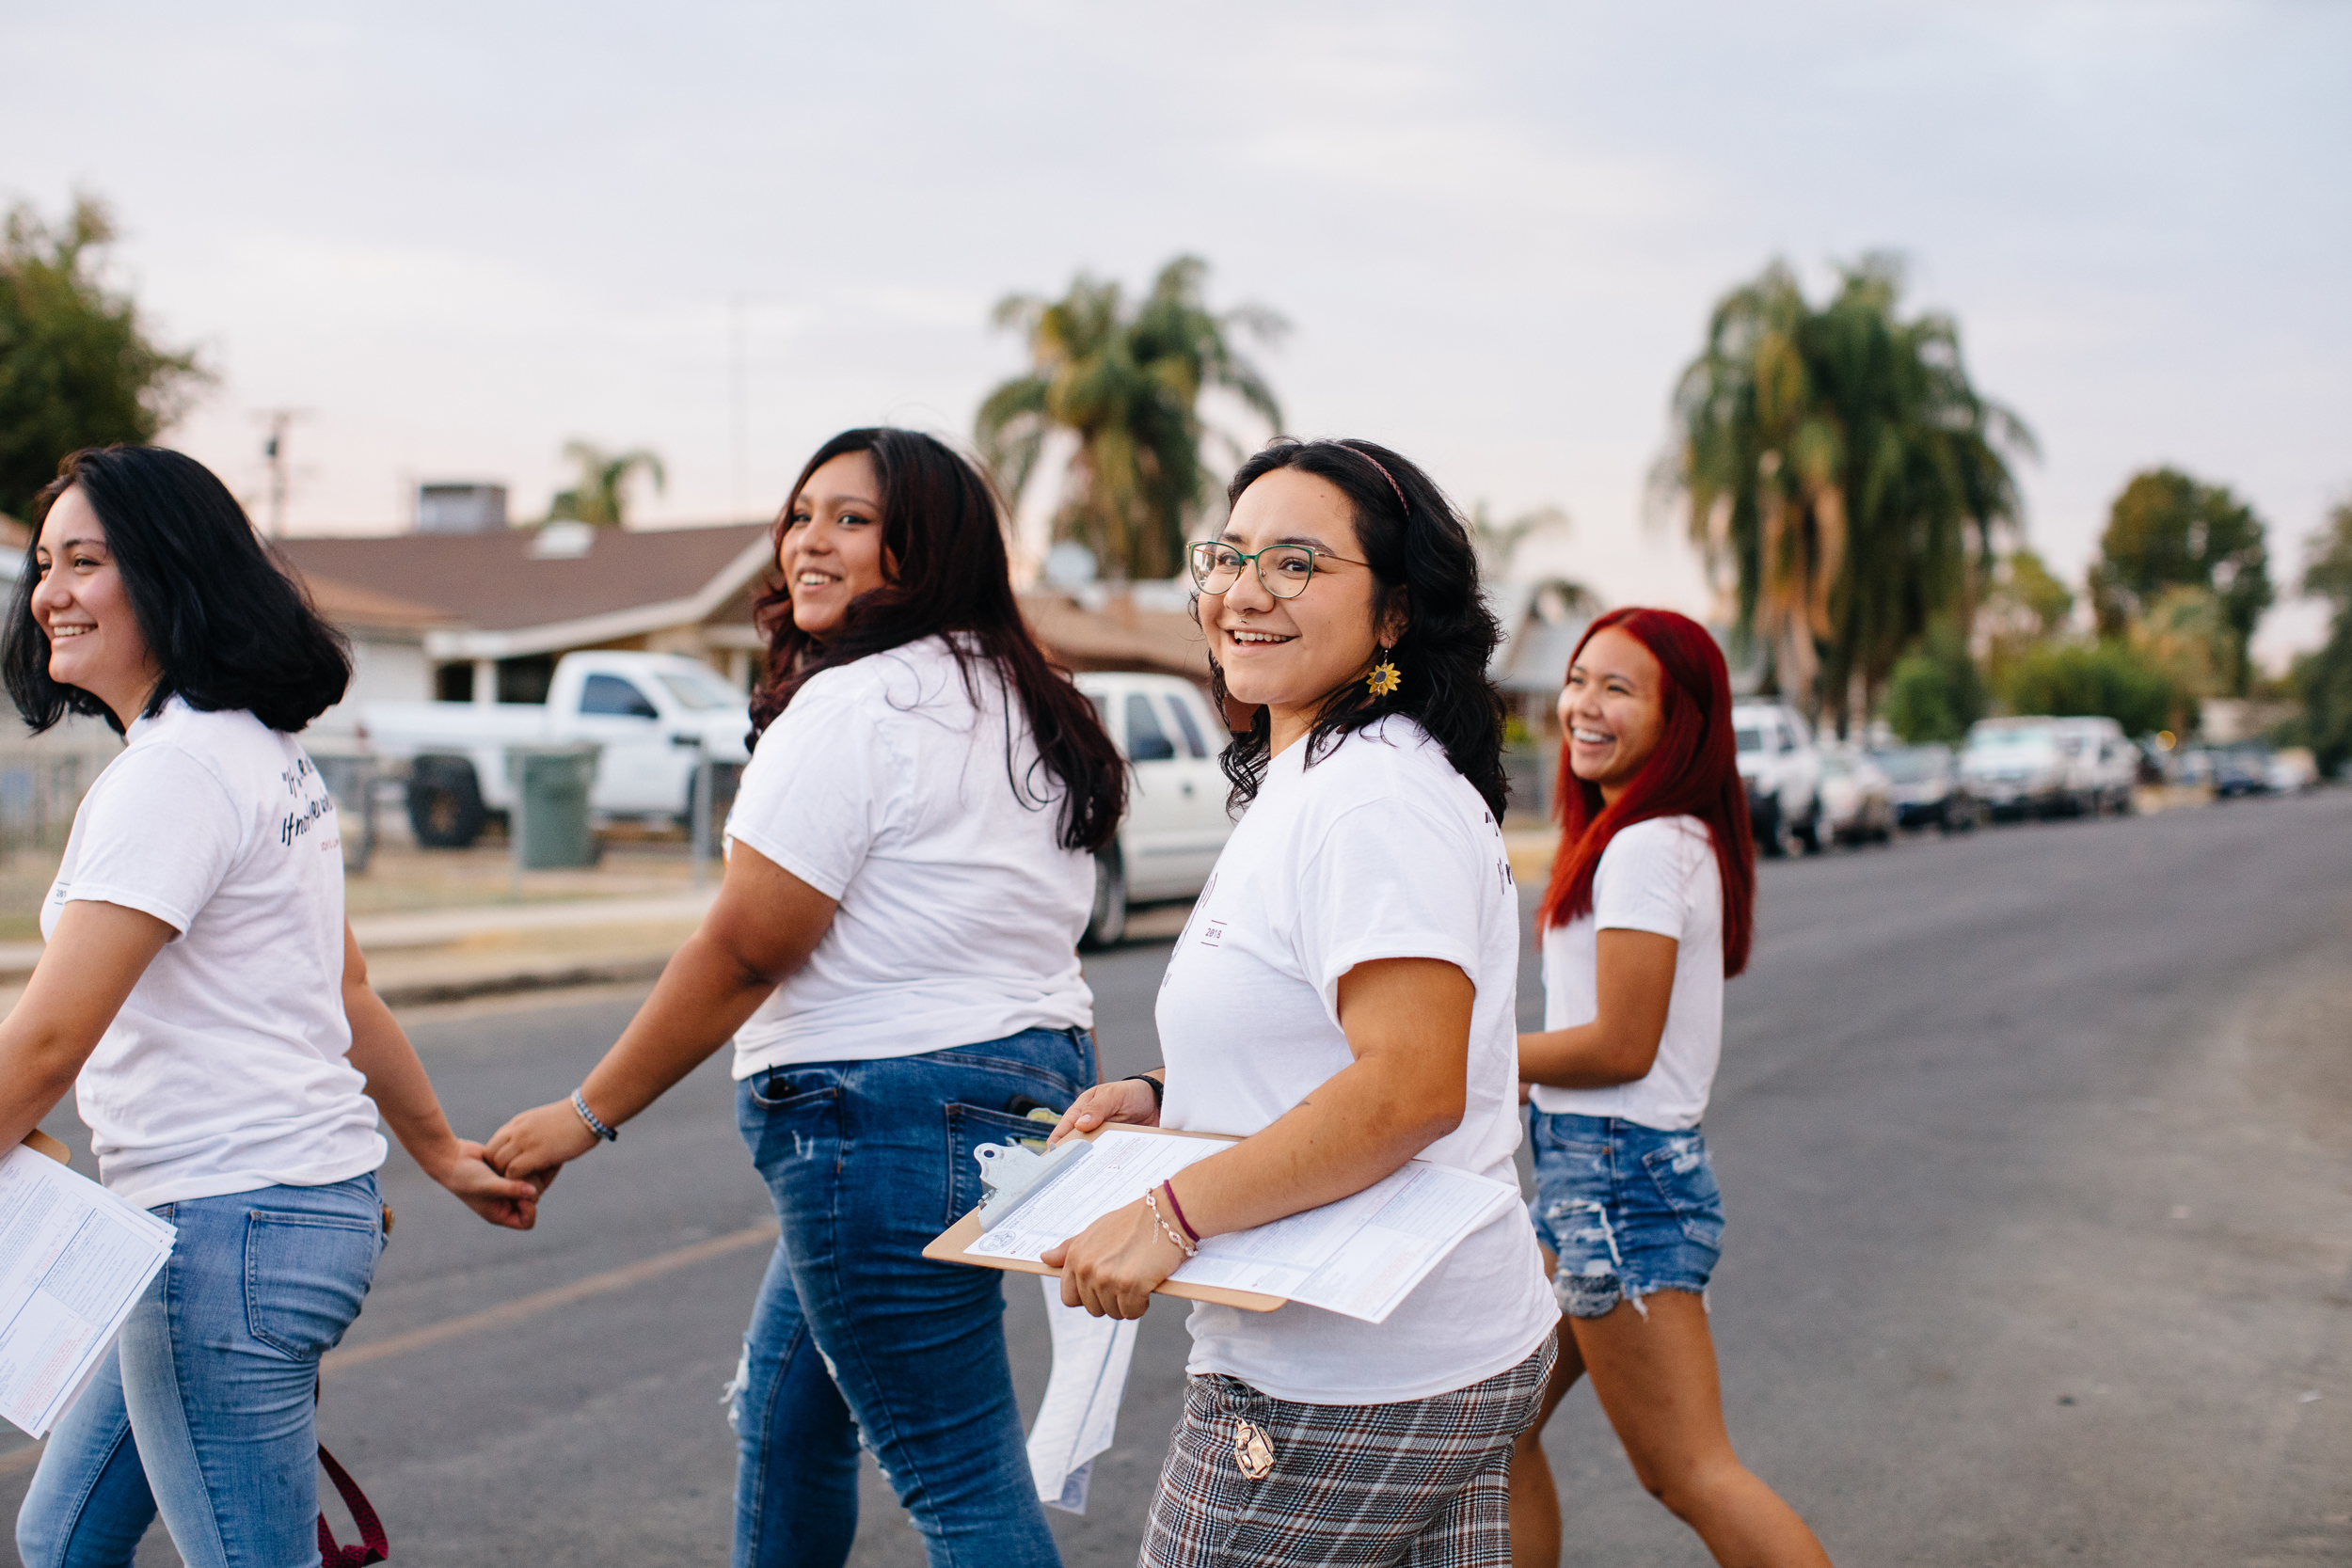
(1127, 384)
(1935, 691)
(2186, 632)
(2070, 679)
(1840, 467)
(601, 494)
(2167, 529)
(2322, 678)
(77, 367)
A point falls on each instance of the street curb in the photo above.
(419, 993)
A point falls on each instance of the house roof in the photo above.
(503, 594)
(347, 604)
(1117, 637)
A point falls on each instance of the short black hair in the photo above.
(229, 627)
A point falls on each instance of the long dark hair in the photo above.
(1694, 772)
(226, 626)
(1421, 558)
(943, 531)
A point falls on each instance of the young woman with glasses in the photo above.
(1648, 911)
(893, 954)
(202, 995)
(1343, 998)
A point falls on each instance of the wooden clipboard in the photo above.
(950, 1245)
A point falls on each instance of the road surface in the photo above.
(2034, 1147)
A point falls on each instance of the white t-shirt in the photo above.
(1379, 851)
(227, 1069)
(1657, 876)
(885, 786)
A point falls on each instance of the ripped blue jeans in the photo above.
(857, 1337)
(1626, 1209)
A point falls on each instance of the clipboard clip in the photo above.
(1008, 1171)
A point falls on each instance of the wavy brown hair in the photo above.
(943, 529)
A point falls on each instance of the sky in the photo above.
(453, 237)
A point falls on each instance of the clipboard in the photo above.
(950, 1245)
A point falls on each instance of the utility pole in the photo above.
(274, 452)
(739, 391)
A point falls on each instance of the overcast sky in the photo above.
(457, 236)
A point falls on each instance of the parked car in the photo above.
(1857, 798)
(2240, 771)
(656, 717)
(2016, 767)
(1782, 770)
(1928, 788)
(2101, 766)
(1176, 824)
(2293, 771)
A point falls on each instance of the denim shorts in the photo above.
(1627, 1210)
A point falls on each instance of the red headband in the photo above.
(1385, 474)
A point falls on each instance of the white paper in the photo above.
(1358, 1257)
(1079, 1415)
(74, 1260)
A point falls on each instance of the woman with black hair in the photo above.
(894, 952)
(1343, 996)
(204, 997)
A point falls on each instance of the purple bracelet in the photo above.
(1169, 1188)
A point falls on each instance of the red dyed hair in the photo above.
(1694, 772)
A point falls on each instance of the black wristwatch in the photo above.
(1159, 1090)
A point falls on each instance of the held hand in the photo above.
(1112, 1266)
(539, 1142)
(471, 1180)
(1125, 1102)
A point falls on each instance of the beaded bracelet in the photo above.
(600, 1128)
(1152, 1201)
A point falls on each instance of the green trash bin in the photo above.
(549, 817)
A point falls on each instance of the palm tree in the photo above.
(1127, 384)
(1498, 544)
(601, 496)
(1841, 468)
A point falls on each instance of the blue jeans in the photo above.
(1626, 1209)
(858, 1335)
(206, 1408)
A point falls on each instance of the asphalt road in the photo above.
(2034, 1147)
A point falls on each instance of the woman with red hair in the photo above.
(1649, 909)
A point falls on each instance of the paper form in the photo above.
(1079, 1415)
(74, 1260)
(1358, 1257)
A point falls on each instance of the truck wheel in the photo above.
(1809, 830)
(1776, 838)
(445, 808)
(1107, 921)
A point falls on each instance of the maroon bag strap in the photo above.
(373, 1546)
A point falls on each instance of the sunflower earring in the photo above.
(1384, 677)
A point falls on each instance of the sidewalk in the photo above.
(620, 923)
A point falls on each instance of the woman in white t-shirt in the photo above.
(202, 995)
(1649, 909)
(1343, 996)
(894, 951)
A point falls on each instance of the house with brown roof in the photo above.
(483, 616)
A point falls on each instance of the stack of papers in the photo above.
(73, 1261)
(1360, 1257)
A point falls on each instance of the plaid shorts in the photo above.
(1423, 1482)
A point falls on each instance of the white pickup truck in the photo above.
(655, 714)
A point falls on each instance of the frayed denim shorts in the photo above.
(1626, 1209)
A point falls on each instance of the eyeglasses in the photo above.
(1283, 570)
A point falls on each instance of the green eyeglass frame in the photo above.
(1295, 566)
